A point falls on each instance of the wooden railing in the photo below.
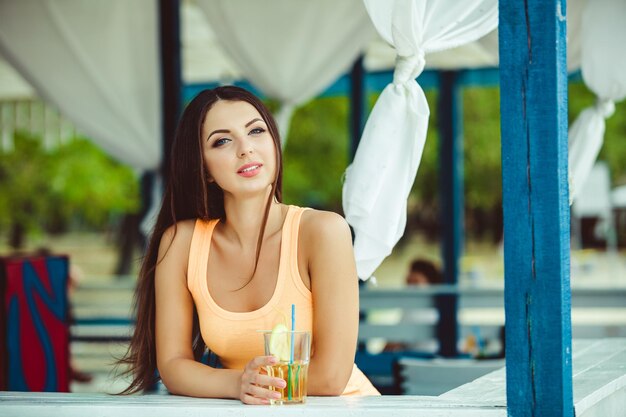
(596, 313)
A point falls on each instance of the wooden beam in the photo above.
(169, 37)
(533, 83)
(376, 81)
(450, 114)
(358, 107)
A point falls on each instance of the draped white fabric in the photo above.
(97, 62)
(603, 67)
(290, 49)
(379, 180)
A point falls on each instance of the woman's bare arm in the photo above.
(328, 244)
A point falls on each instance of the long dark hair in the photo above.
(188, 195)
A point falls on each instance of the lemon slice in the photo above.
(279, 342)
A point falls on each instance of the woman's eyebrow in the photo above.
(217, 131)
(253, 120)
(228, 131)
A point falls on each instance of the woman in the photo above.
(227, 259)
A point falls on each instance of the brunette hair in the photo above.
(428, 269)
(188, 195)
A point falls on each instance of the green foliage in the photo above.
(425, 191)
(482, 164)
(316, 154)
(24, 174)
(91, 183)
(47, 189)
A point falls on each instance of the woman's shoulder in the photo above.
(182, 228)
(325, 240)
(179, 234)
(322, 224)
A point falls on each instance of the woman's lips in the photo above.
(249, 170)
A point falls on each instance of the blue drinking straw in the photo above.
(293, 328)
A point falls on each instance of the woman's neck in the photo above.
(244, 218)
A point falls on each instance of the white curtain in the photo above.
(603, 67)
(97, 62)
(379, 180)
(291, 50)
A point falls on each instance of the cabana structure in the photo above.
(536, 190)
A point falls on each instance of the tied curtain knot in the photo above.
(408, 67)
(605, 107)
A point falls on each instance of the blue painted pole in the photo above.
(169, 38)
(449, 113)
(358, 97)
(533, 104)
(375, 82)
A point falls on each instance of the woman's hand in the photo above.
(255, 385)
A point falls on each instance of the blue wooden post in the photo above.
(358, 97)
(449, 113)
(169, 38)
(533, 101)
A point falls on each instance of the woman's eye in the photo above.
(257, 131)
(220, 142)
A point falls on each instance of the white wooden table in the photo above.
(599, 390)
(599, 379)
(101, 405)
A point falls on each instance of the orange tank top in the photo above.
(234, 336)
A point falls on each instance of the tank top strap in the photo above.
(199, 251)
(292, 226)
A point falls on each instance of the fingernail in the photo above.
(281, 384)
(273, 359)
(276, 395)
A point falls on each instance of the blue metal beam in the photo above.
(450, 112)
(169, 36)
(536, 210)
(375, 82)
(358, 108)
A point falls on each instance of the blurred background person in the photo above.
(423, 272)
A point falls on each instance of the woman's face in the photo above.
(238, 150)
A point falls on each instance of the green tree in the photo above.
(316, 154)
(47, 189)
(24, 175)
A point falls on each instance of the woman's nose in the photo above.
(245, 148)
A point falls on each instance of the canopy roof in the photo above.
(204, 60)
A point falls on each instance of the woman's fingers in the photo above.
(263, 393)
(267, 381)
(255, 386)
(249, 399)
(260, 361)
